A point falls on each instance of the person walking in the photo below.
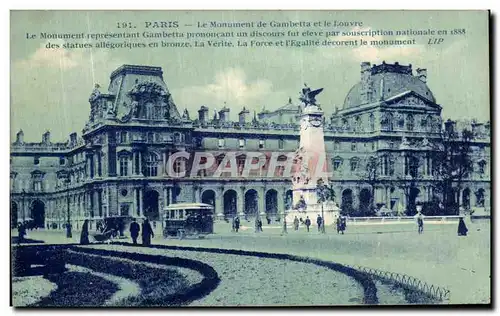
(268, 220)
(420, 222)
(308, 223)
(338, 222)
(284, 231)
(147, 233)
(21, 233)
(462, 228)
(260, 224)
(84, 235)
(319, 221)
(236, 224)
(296, 223)
(134, 231)
(257, 229)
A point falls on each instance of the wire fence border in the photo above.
(439, 293)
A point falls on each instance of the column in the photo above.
(140, 163)
(164, 163)
(281, 200)
(165, 196)
(140, 202)
(262, 201)
(118, 166)
(197, 194)
(240, 198)
(134, 203)
(219, 201)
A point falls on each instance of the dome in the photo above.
(396, 80)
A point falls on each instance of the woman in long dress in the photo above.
(462, 229)
(84, 237)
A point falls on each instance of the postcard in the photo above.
(250, 158)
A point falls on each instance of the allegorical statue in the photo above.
(309, 97)
(95, 93)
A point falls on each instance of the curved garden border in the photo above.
(363, 278)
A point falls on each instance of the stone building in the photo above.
(118, 165)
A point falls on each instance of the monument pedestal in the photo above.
(330, 210)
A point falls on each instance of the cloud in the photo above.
(53, 57)
(230, 86)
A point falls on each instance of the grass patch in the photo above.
(77, 289)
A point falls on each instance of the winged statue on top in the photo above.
(308, 96)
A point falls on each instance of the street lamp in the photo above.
(68, 225)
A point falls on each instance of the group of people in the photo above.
(146, 232)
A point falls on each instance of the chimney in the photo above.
(20, 137)
(224, 114)
(203, 114)
(366, 89)
(72, 139)
(450, 126)
(243, 116)
(422, 74)
(46, 137)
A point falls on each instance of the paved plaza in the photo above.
(438, 256)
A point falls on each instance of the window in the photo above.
(179, 165)
(281, 143)
(240, 162)
(480, 198)
(152, 165)
(336, 145)
(384, 165)
(222, 142)
(150, 137)
(149, 111)
(37, 178)
(62, 161)
(354, 164)
(123, 166)
(36, 161)
(337, 163)
(372, 122)
(177, 138)
(411, 166)
(410, 124)
(241, 143)
(262, 143)
(353, 146)
(123, 137)
(424, 122)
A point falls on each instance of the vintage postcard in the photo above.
(250, 158)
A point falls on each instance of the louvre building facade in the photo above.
(117, 167)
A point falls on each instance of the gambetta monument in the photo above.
(311, 164)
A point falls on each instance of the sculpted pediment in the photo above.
(413, 100)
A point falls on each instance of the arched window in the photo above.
(152, 165)
(372, 122)
(354, 163)
(337, 163)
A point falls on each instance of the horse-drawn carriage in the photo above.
(111, 228)
(188, 220)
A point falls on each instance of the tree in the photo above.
(452, 163)
(408, 180)
(370, 175)
(324, 193)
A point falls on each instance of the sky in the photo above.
(50, 88)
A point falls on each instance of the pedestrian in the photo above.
(21, 232)
(134, 231)
(84, 235)
(268, 220)
(338, 222)
(69, 234)
(319, 221)
(236, 224)
(420, 223)
(233, 225)
(462, 229)
(343, 224)
(285, 231)
(257, 224)
(308, 223)
(260, 225)
(296, 223)
(147, 233)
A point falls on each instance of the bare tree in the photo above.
(452, 163)
(370, 175)
(408, 180)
